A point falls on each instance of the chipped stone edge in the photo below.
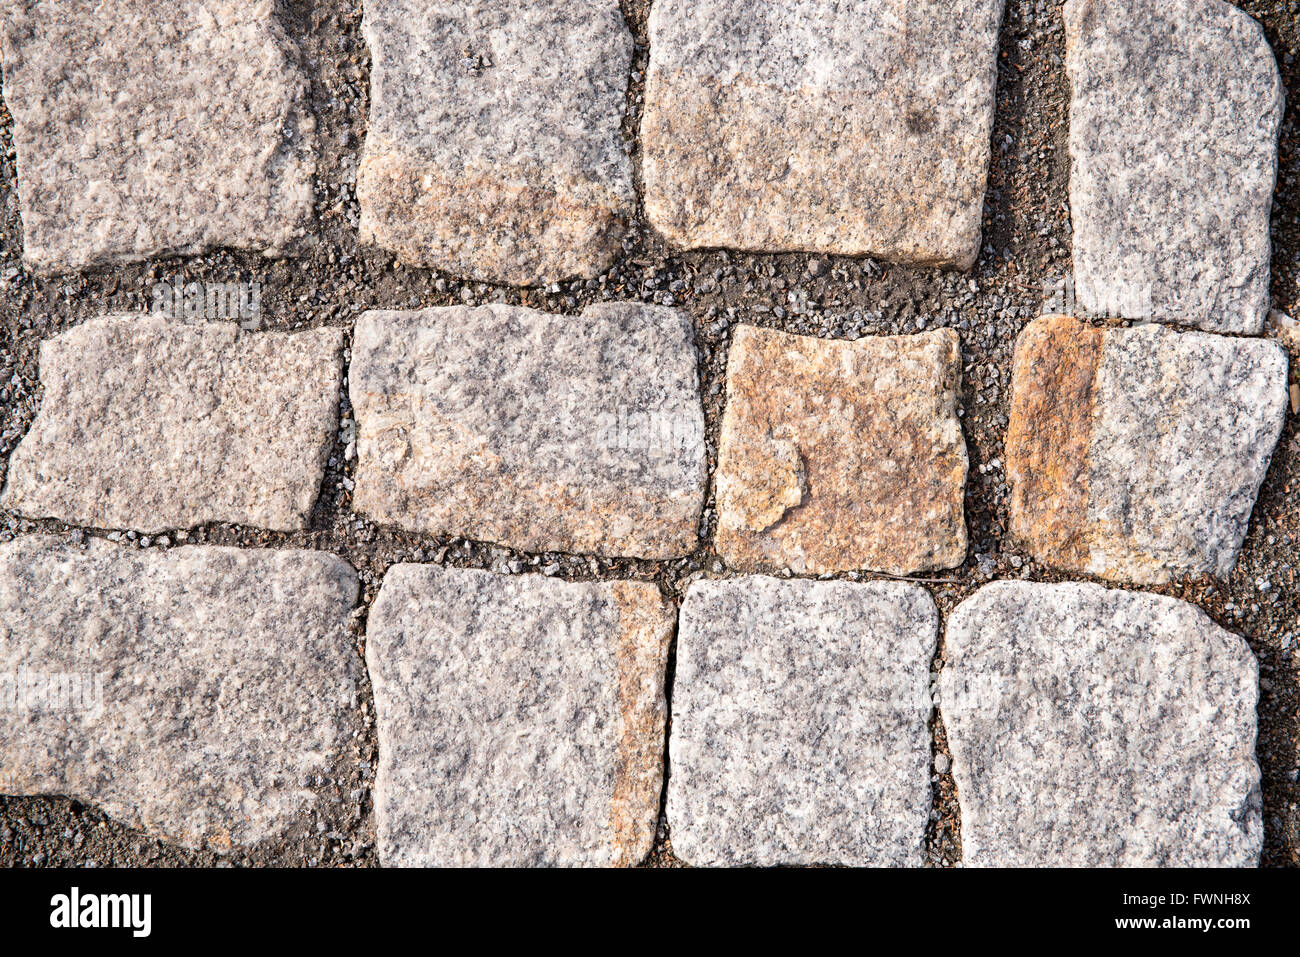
(736, 529)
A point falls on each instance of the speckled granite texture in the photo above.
(521, 719)
(1100, 728)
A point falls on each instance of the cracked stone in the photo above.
(801, 723)
(1174, 117)
(151, 424)
(837, 455)
(1100, 728)
(520, 718)
(146, 130)
(189, 693)
(859, 127)
(537, 431)
(1136, 454)
(495, 148)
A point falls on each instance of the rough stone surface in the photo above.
(1136, 454)
(494, 149)
(208, 685)
(800, 723)
(542, 432)
(1174, 117)
(521, 719)
(1100, 728)
(841, 455)
(858, 126)
(152, 424)
(146, 129)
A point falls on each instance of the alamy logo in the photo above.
(1131, 300)
(199, 301)
(52, 691)
(74, 909)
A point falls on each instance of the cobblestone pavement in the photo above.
(630, 658)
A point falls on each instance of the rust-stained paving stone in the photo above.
(842, 455)
(495, 148)
(538, 431)
(1136, 454)
(861, 126)
(520, 719)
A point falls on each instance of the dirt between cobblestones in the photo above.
(1026, 244)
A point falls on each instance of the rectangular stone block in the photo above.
(150, 129)
(520, 719)
(495, 149)
(541, 432)
(152, 424)
(842, 455)
(1136, 454)
(1175, 110)
(855, 127)
(801, 723)
(193, 693)
(1100, 728)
